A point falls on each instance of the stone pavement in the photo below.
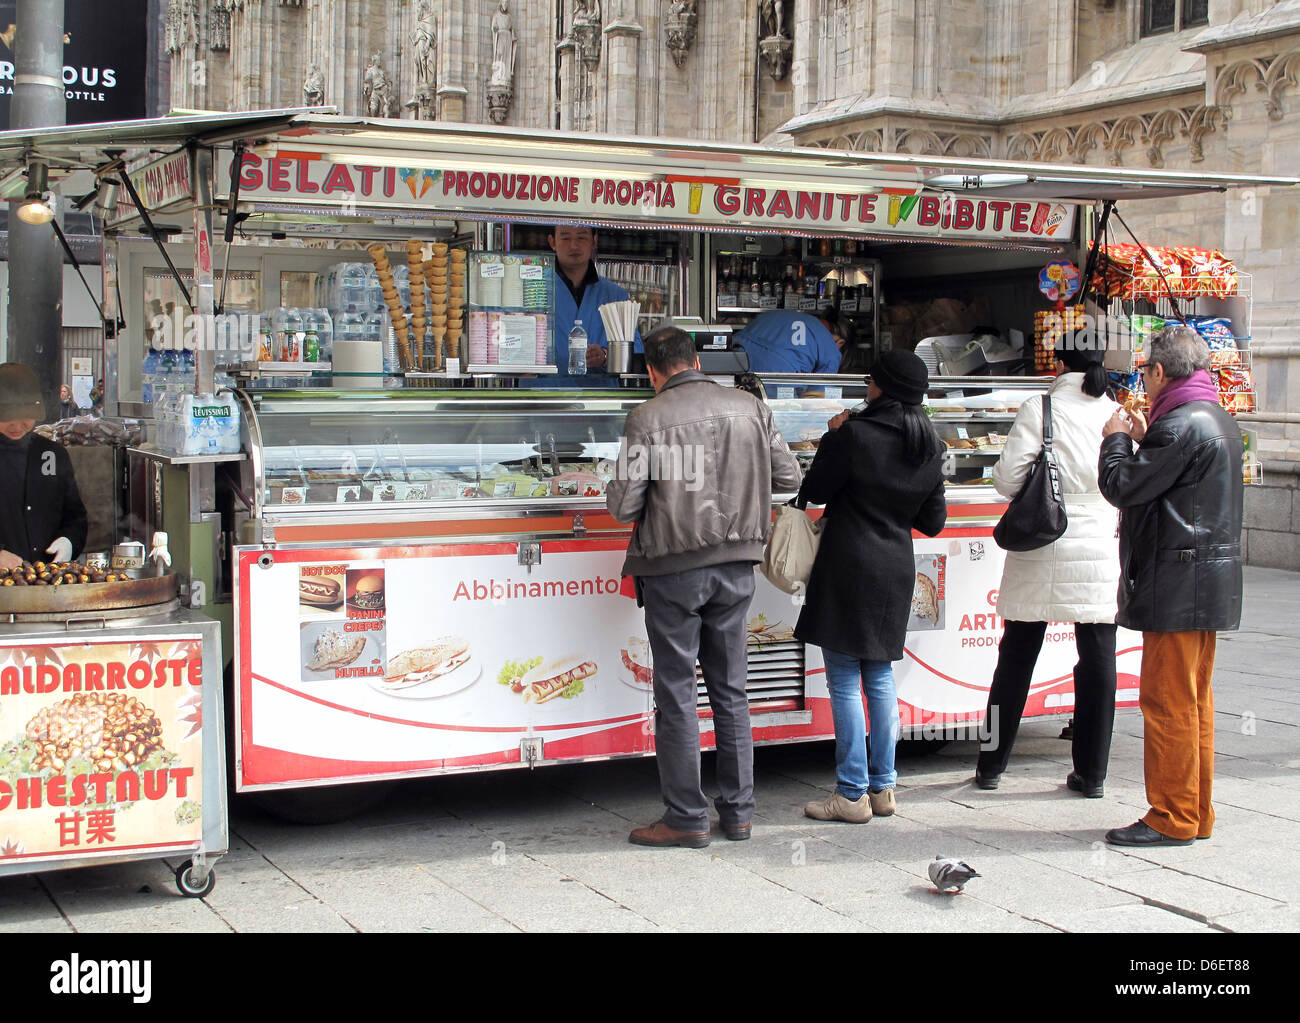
(548, 850)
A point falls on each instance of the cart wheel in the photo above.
(189, 887)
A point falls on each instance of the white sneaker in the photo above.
(840, 808)
(882, 803)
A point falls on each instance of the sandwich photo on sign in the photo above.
(365, 592)
(539, 681)
(439, 668)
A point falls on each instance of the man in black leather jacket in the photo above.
(1180, 498)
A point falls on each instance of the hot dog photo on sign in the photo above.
(320, 590)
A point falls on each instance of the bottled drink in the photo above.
(149, 374)
(577, 350)
(755, 284)
(265, 339)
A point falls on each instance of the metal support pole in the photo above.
(36, 280)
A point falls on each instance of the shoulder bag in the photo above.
(791, 550)
(1036, 516)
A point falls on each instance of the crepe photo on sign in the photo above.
(928, 592)
(338, 649)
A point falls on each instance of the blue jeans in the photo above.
(860, 763)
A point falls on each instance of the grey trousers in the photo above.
(689, 615)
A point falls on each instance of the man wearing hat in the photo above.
(42, 517)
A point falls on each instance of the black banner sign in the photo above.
(105, 55)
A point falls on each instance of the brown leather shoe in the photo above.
(661, 835)
(736, 832)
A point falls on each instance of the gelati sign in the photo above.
(642, 195)
(105, 54)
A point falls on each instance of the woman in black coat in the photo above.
(42, 517)
(879, 474)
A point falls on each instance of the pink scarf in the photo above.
(1197, 387)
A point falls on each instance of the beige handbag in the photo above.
(792, 549)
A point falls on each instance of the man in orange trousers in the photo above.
(1180, 496)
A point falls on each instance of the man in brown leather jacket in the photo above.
(1180, 497)
(698, 466)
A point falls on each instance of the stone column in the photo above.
(452, 91)
(566, 54)
(623, 37)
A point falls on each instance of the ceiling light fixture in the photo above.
(36, 207)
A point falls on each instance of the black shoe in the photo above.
(737, 832)
(1068, 731)
(1142, 834)
(1075, 783)
(986, 781)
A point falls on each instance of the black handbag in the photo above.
(1036, 516)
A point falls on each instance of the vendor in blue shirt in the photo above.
(785, 341)
(579, 294)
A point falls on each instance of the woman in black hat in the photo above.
(879, 474)
(42, 517)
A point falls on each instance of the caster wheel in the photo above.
(188, 886)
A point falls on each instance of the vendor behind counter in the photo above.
(42, 517)
(579, 294)
(786, 341)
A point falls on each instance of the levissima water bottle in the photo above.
(577, 350)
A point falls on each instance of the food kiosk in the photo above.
(409, 553)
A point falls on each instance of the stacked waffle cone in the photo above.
(435, 273)
(415, 262)
(456, 299)
(391, 299)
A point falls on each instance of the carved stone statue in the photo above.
(425, 44)
(219, 25)
(376, 90)
(680, 26)
(181, 27)
(586, 31)
(774, 43)
(313, 87)
(771, 18)
(503, 45)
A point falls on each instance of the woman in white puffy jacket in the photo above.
(1074, 579)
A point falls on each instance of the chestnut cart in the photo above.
(110, 731)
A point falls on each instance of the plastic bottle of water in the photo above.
(374, 327)
(577, 350)
(149, 375)
(349, 325)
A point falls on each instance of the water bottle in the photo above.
(149, 375)
(577, 350)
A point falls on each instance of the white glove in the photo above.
(61, 549)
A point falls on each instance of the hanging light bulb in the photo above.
(36, 207)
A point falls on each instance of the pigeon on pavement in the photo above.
(947, 873)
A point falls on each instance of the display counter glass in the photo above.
(326, 448)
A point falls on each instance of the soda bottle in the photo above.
(577, 350)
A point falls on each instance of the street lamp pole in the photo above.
(35, 330)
